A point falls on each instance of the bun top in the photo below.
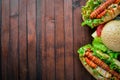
(111, 35)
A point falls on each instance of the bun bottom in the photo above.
(93, 72)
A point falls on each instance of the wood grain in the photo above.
(5, 38)
(31, 35)
(50, 42)
(0, 38)
(39, 11)
(59, 40)
(42, 40)
(68, 27)
(77, 43)
(13, 55)
(23, 67)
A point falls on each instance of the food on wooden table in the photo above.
(100, 57)
(101, 8)
(97, 12)
(101, 63)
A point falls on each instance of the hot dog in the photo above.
(93, 62)
(97, 12)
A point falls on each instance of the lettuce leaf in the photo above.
(113, 63)
(92, 22)
(97, 43)
(82, 50)
(90, 6)
(103, 53)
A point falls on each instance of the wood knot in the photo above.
(76, 4)
(14, 15)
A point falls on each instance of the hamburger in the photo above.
(100, 57)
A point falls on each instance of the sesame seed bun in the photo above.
(111, 35)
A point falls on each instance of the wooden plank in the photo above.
(31, 26)
(0, 38)
(42, 41)
(38, 39)
(81, 37)
(50, 52)
(22, 40)
(59, 39)
(13, 55)
(77, 38)
(5, 37)
(68, 40)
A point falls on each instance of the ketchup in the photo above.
(99, 29)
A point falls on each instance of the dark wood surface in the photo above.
(39, 40)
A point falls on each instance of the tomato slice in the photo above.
(99, 29)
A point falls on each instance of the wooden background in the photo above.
(39, 40)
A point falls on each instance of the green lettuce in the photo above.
(92, 22)
(89, 7)
(113, 63)
(86, 11)
(103, 53)
(82, 50)
(98, 45)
